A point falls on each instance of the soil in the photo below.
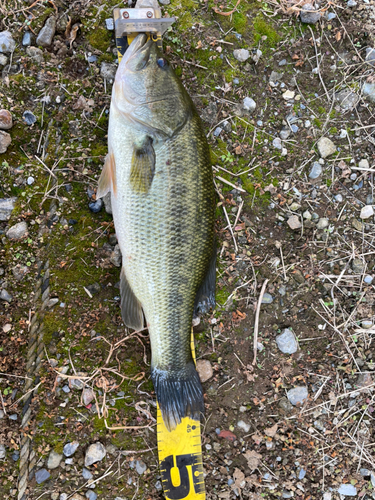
(255, 443)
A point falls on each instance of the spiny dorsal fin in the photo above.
(143, 167)
(107, 180)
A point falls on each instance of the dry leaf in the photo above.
(239, 479)
(253, 459)
(199, 45)
(338, 36)
(271, 431)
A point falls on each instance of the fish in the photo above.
(158, 171)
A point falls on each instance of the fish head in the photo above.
(147, 91)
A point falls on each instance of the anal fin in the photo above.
(131, 309)
(205, 297)
(107, 180)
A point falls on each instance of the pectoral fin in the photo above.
(131, 309)
(206, 293)
(143, 167)
(107, 180)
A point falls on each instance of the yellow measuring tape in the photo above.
(180, 457)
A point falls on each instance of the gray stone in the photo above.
(316, 170)
(70, 448)
(364, 164)
(284, 134)
(309, 15)
(204, 369)
(116, 257)
(2, 414)
(338, 198)
(275, 77)
(140, 467)
(368, 279)
(6, 120)
(3, 60)
(243, 425)
(14, 416)
(95, 453)
(108, 70)
(366, 212)
(86, 474)
(17, 231)
(4, 295)
(326, 147)
(294, 222)
(5, 140)
(277, 143)
(165, 2)
(91, 495)
(7, 44)
(297, 395)
(217, 131)
(110, 24)
(358, 266)
(347, 99)
(77, 383)
(29, 117)
(348, 490)
(87, 396)
(368, 91)
(35, 54)
(285, 405)
(41, 475)
(6, 208)
(47, 33)
(283, 62)
(323, 223)
(370, 56)
(241, 55)
(2, 451)
(54, 460)
(63, 496)
(267, 298)
(351, 3)
(287, 342)
(26, 40)
(249, 104)
(107, 203)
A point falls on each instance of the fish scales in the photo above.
(165, 232)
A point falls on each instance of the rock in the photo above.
(41, 475)
(297, 395)
(5, 140)
(29, 117)
(7, 44)
(366, 212)
(227, 435)
(87, 396)
(94, 453)
(35, 54)
(19, 272)
(94, 288)
(309, 15)
(323, 223)
(351, 3)
(7, 327)
(96, 206)
(91, 495)
(243, 425)
(209, 113)
(316, 170)
(217, 131)
(276, 143)
(288, 94)
(108, 70)
(4, 295)
(47, 33)
(6, 208)
(326, 147)
(364, 381)
(267, 298)
(2, 414)
(241, 55)
(76, 496)
(364, 164)
(249, 104)
(54, 460)
(70, 448)
(3, 60)
(109, 24)
(347, 99)
(294, 222)
(78, 383)
(17, 231)
(275, 76)
(284, 134)
(204, 370)
(6, 121)
(26, 39)
(2, 451)
(14, 416)
(368, 91)
(370, 56)
(368, 279)
(348, 490)
(287, 342)
(358, 266)
(116, 257)
(165, 2)
(86, 474)
(357, 224)
(140, 467)
(285, 405)
(338, 198)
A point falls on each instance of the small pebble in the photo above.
(70, 448)
(96, 206)
(41, 475)
(6, 120)
(140, 467)
(277, 143)
(217, 131)
(368, 279)
(326, 147)
(94, 453)
(6, 296)
(288, 94)
(241, 55)
(30, 180)
(249, 104)
(294, 222)
(338, 198)
(309, 15)
(204, 369)
(283, 62)
(110, 24)
(287, 342)
(91, 495)
(323, 223)
(29, 117)
(2, 451)
(267, 298)
(297, 395)
(366, 212)
(347, 488)
(362, 164)
(316, 170)
(26, 40)
(243, 425)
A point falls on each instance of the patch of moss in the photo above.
(100, 39)
(263, 28)
(317, 122)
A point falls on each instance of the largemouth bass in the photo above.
(159, 173)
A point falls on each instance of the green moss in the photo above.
(262, 28)
(100, 39)
(222, 295)
(322, 110)
(239, 21)
(317, 122)
(333, 130)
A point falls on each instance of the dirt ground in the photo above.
(295, 248)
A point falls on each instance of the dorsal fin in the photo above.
(107, 180)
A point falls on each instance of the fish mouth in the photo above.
(139, 52)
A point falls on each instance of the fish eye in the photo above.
(161, 62)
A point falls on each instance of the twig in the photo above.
(256, 324)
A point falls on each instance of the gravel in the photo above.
(5, 141)
(367, 211)
(316, 170)
(6, 208)
(70, 448)
(348, 490)
(42, 475)
(241, 55)
(140, 467)
(204, 369)
(54, 460)
(287, 342)
(4, 295)
(29, 117)
(95, 453)
(294, 222)
(326, 147)
(297, 395)
(249, 104)
(368, 91)
(7, 44)
(47, 33)
(308, 14)
(6, 120)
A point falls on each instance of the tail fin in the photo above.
(179, 394)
